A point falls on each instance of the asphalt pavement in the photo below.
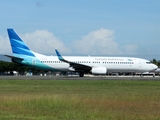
(79, 78)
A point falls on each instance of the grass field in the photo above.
(79, 100)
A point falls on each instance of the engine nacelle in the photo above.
(157, 70)
(99, 70)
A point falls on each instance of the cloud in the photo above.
(43, 41)
(130, 49)
(4, 45)
(101, 42)
(98, 42)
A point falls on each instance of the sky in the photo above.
(84, 27)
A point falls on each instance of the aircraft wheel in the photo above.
(81, 74)
(141, 75)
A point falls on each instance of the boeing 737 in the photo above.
(93, 65)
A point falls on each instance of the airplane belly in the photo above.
(121, 68)
(60, 66)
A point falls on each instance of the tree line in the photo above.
(156, 62)
(7, 68)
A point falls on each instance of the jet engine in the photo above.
(99, 70)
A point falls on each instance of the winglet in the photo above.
(59, 55)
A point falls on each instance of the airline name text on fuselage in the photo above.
(110, 59)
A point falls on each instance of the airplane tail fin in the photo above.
(17, 45)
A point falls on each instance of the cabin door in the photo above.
(33, 61)
(140, 64)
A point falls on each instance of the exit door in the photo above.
(33, 61)
(140, 64)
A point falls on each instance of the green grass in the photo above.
(79, 100)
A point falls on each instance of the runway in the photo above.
(79, 78)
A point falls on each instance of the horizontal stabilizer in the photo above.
(13, 57)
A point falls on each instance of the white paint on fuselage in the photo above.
(112, 64)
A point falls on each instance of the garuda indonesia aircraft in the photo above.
(93, 65)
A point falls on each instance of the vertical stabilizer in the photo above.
(17, 45)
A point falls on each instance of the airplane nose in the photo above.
(154, 66)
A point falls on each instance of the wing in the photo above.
(76, 66)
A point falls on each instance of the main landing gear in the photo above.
(81, 74)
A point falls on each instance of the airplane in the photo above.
(22, 54)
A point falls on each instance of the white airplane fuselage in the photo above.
(112, 64)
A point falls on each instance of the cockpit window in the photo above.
(148, 62)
